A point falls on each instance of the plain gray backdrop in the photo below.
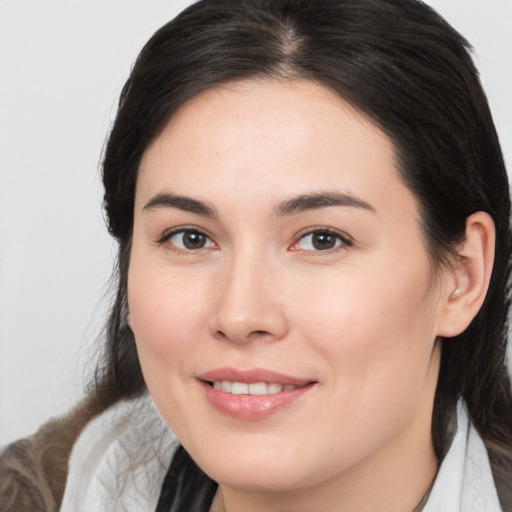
(62, 66)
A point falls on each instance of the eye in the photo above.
(188, 239)
(321, 240)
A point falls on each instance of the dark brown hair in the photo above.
(402, 65)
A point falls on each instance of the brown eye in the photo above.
(190, 240)
(321, 240)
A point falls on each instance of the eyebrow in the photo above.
(315, 201)
(184, 203)
(294, 205)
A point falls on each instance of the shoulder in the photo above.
(502, 471)
(120, 460)
(113, 457)
(465, 480)
(23, 482)
(33, 471)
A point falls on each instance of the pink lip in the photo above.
(252, 407)
(250, 376)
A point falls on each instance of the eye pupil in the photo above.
(194, 240)
(323, 241)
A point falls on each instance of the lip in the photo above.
(251, 376)
(252, 407)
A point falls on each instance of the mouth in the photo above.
(252, 394)
(253, 388)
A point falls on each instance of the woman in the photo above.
(312, 212)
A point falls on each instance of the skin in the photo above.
(359, 319)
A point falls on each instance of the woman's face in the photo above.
(278, 256)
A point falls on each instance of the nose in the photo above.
(248, 305)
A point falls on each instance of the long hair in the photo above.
(397, 62)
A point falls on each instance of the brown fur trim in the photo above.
(33, 471)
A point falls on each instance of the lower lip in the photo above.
(252, 407)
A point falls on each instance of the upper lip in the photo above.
(251, 376)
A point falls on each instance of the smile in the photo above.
(252, 395)
(254, 388)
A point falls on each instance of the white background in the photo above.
(62, 66)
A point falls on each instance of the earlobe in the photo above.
(466, 288)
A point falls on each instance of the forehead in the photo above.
(271, 138)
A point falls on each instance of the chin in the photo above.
(269, 479)
(260, 470)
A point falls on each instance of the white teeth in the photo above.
(240, 388)
(226, 386)
(255, 388)
(274, 388)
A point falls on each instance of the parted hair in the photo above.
(405, 68)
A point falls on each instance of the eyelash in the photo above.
(183, 231)
(342, 241)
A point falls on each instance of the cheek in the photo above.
(365, 302)
(378, 341)
(167, 317)
(376, 327)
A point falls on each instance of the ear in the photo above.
(465, 289)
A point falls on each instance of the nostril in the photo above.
(241, 337)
